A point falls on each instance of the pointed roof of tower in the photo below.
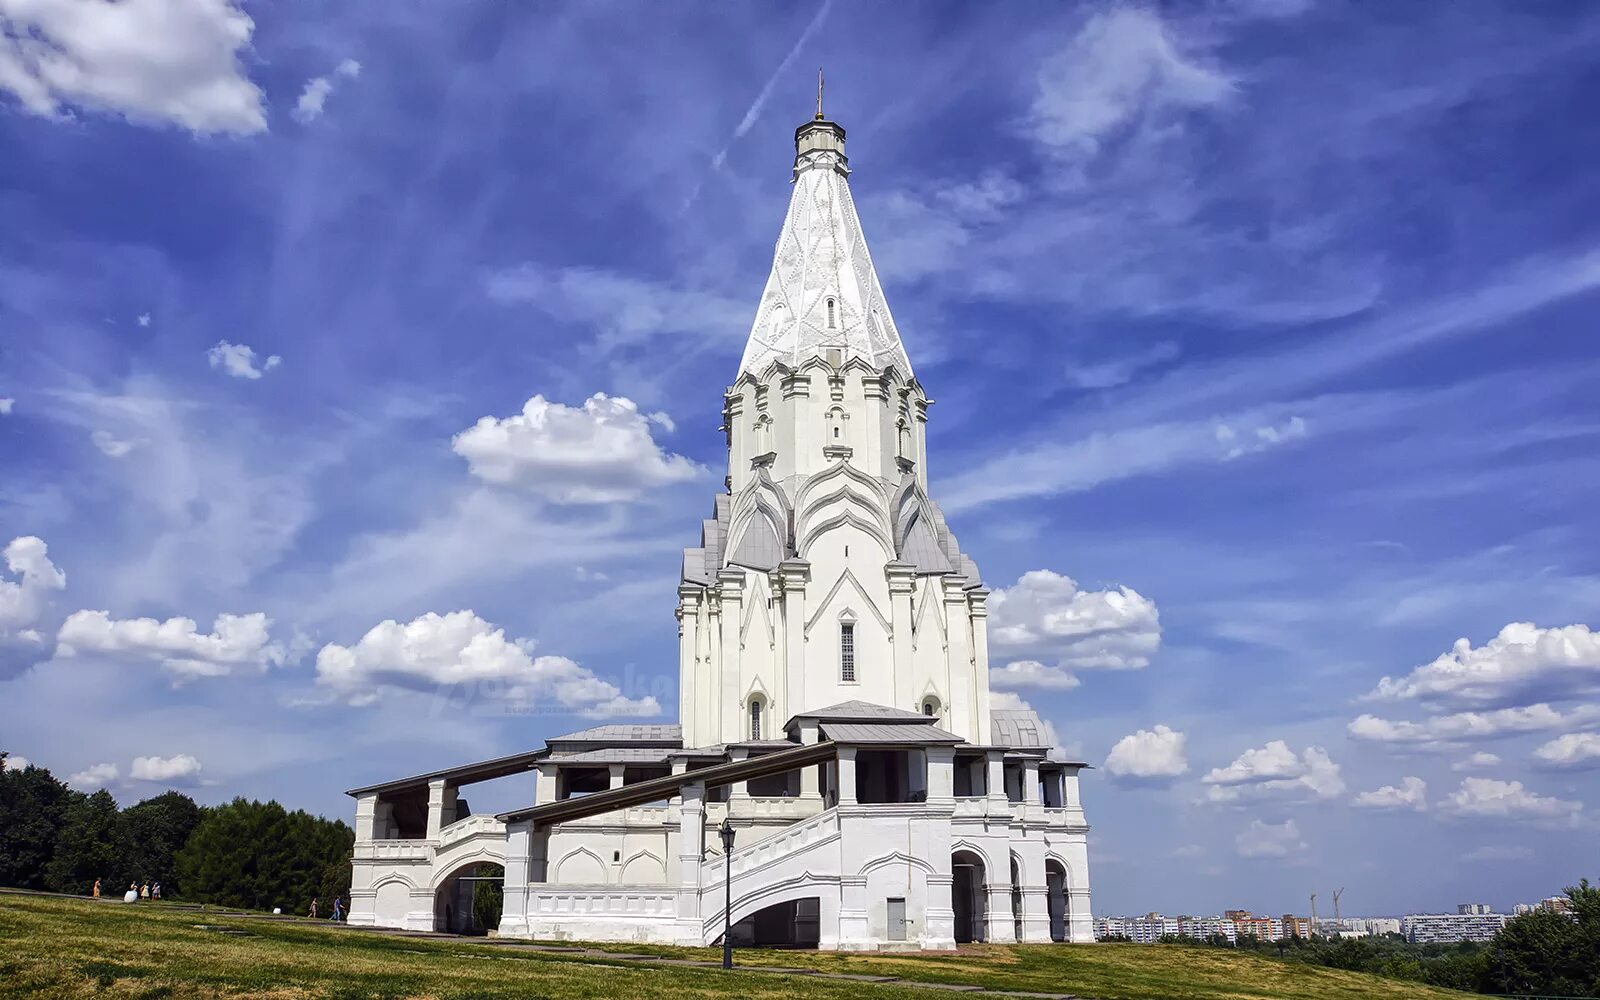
(823, 291)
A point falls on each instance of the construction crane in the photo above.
(1338, 921)
(1313, 914)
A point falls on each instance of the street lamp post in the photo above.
(726, 833)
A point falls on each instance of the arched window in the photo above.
(847, 652)
(755, 718)
(930, 707)
(831, 323)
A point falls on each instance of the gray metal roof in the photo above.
(1018, 728)
(863, 710)
(615, 755)
(648, 732)
(462, 774)
(879, 732)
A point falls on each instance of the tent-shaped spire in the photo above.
(823, 294)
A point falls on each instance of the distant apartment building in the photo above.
(1448, 928)
(1373, 925)
(1473, 909)
(1294, 926)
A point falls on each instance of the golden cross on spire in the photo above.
(819, 93)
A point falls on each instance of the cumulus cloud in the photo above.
(1489, 798)
(6, 403)
(599, 453)
(1269, 840)
(178, 768)
(166, 61)
(239, 360)
(1022, 674)
(1449, 730)
(1524, 663)
(236, 643)
(1046, 614)
(1411, 793)
(1150, 756)
(1274, 771)
(14, 762)
(315, 95)
(94, 777)
(1476, 761)
(460, 648)
(24, 600)
(1123, 68)
(1572, 750)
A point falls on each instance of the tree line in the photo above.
(249, 854)
(1543, 953)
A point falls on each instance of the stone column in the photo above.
(941, 776)
(441, 807)
(739, 791)
(995, 780)
(795, 574)
(617, 771)
(902, 579)
(1032, 793)
(978, 603)
(688, 614)
(958, 663)
(846, 771)
(545, 786)
(514, 910)
(366, 817)
(731, 583)
(691, 851)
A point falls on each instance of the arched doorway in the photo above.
(469, 901)
(794, 924)
(1016, 896)
(1055, 881)
(969, 896)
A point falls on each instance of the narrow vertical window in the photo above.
(847, 652)
(755, 719)
(830, 314)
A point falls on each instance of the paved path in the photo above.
(583, 951)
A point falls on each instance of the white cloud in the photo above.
(460, 648)
(1269, 840)
(315, 95)
(1447, 730)
(235, 644)
(1149, 755)
(1023, 674)
(177, 768)
(239, 360)
(1481, 759)
(1498, 853)
(1238, 443)
(1489, 798)
(6, 403)
(1275, 771)
(1524, 663)
(23, 603)
(1124, 68)
(1572, 750)
(94, 777)
(172, 61)
(1411, 793)
(1046, 613)
(144, 319)
(110, 445)
(601, 453)
(15, 762)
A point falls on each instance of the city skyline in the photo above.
(351, 367)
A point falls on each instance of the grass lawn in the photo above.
(53, 947)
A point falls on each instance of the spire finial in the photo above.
(819, 93)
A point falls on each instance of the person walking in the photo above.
(144, 893)
(155, 891)
(96, 889)
(132, 895)
(313, 913)
(338, 910)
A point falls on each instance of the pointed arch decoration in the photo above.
(848, 578)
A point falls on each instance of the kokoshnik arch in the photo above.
(834, 697)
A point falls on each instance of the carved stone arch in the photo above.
(847, 577)
(1066, 866)
(838, 470)
(756, 606)
(963, 844)
(896, 857)
(849, 500)
(483, 855)
(649, 863)
(931, 694)
(393, 877)
(580, 861)
(816, 531)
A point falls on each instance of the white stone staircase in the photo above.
(773, 869)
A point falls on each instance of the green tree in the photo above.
(156, 831)
(258, 855)
(488, 898)
(90, 845)
(31, 805)
(1541, 952)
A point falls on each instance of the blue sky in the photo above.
(1279, 315)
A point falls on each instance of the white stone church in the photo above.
(833, 689)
